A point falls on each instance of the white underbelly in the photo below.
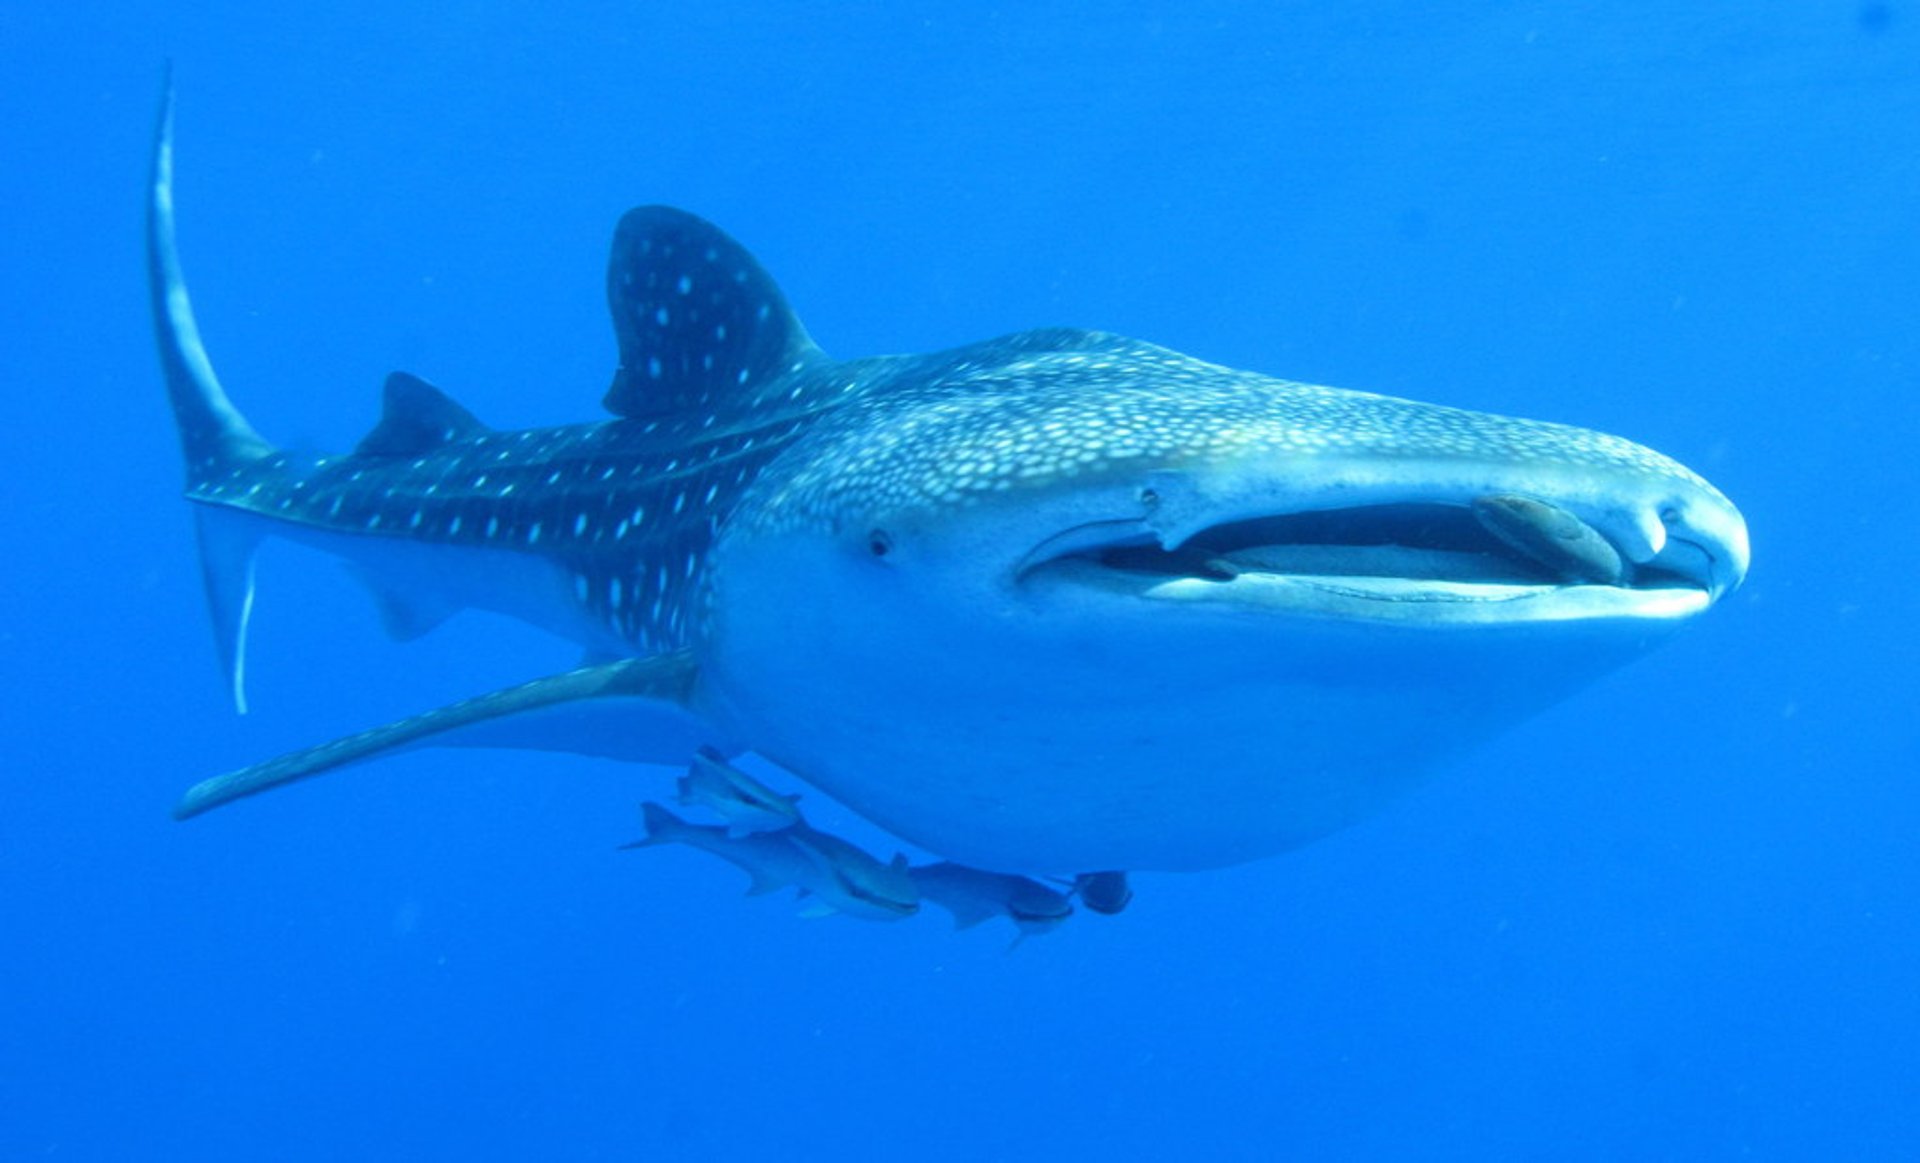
(1078, 751)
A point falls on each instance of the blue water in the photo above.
(1678, 917)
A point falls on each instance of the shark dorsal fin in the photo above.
(416, 417)
(699, 322)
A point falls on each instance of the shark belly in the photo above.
(1049, 739)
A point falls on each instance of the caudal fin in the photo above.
(214, 437)
(213, 434)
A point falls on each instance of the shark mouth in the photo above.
(1499, 557)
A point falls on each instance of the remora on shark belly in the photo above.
(1056, 602)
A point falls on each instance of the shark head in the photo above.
(1170, 614)
(1077, 463)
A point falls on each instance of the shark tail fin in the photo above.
(213, 434)
(227, 543)
(214, 437)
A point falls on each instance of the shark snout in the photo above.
(1706, 541)
(1697, 542)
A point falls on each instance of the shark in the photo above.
(1057, 603)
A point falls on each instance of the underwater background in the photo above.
(1677, 917)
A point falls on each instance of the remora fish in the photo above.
(840, 879)
(856, 873)
(746, 804)
(1053, 602)
(973, 896)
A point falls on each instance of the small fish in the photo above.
(838, 881)
(973, 895)
(747, 805)
(1106, 893)
(859, 882)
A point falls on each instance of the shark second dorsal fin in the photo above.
(698, 321)
(416, 417)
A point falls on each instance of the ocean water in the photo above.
(1678, 917)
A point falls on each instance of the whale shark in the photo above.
(1057, 603)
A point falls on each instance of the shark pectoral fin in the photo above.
(227, 543)
(646, 698)
(634, 710)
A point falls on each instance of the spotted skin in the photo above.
(627, 509)
(1062, 406)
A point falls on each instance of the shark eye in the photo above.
(879, 543)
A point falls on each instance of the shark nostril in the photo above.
(879, 543)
